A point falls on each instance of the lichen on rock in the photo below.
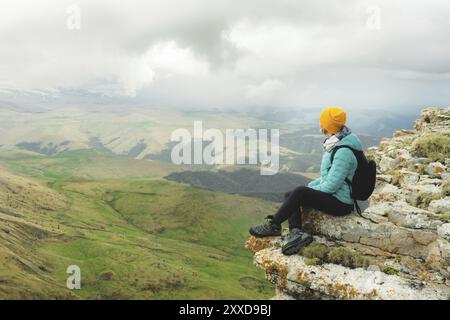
(399, 249)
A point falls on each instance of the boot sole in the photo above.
(263, 236)
(295, 247)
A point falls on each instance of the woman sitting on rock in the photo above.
(329, 193)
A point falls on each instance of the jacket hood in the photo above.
(351, 140)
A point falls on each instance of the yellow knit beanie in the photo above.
(333, 119)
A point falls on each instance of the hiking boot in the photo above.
(266, 229)
(296, 240)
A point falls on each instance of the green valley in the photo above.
(133, 234)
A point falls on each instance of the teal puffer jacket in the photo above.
(332, 180)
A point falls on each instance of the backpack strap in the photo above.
(340, 147)
(358, 209)
(333, 152)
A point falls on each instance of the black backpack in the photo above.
(363, 183)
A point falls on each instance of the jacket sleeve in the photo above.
(340, 169)
(313, 183)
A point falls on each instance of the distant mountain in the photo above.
(36, 101)
(304, 141)
(371, 122)
(383, 123)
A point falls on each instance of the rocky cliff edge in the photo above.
(400, 249)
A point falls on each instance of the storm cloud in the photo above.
(200, 53)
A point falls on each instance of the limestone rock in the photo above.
(433, 119)
(425, 180)
(384, 178)
(388, 163)
(445, 176)
(296, 279)
(444, 231)
(416, 161)
(385, 192)
(440, 206)
(436, 168)
(407, 177)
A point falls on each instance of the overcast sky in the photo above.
(220, 53)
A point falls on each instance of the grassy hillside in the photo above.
(24, 222)
(85, 164)
(132, 237)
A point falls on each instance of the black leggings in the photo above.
(307, 197)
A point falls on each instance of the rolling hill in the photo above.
(133, 238)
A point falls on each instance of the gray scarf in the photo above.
(332, 141)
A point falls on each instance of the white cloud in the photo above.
(137, 75)
(193, 52)
(266, 91)
(270, 40)
(162, 60)
(168, 59)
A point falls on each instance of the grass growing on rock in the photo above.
(445, 217)
(395, 177)
(316, 250)
(434, 146)
(318, 253)
(446, 189)
(347, 258)
(313, 261)
(422, 169)
(422, 199)
(389, 270)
